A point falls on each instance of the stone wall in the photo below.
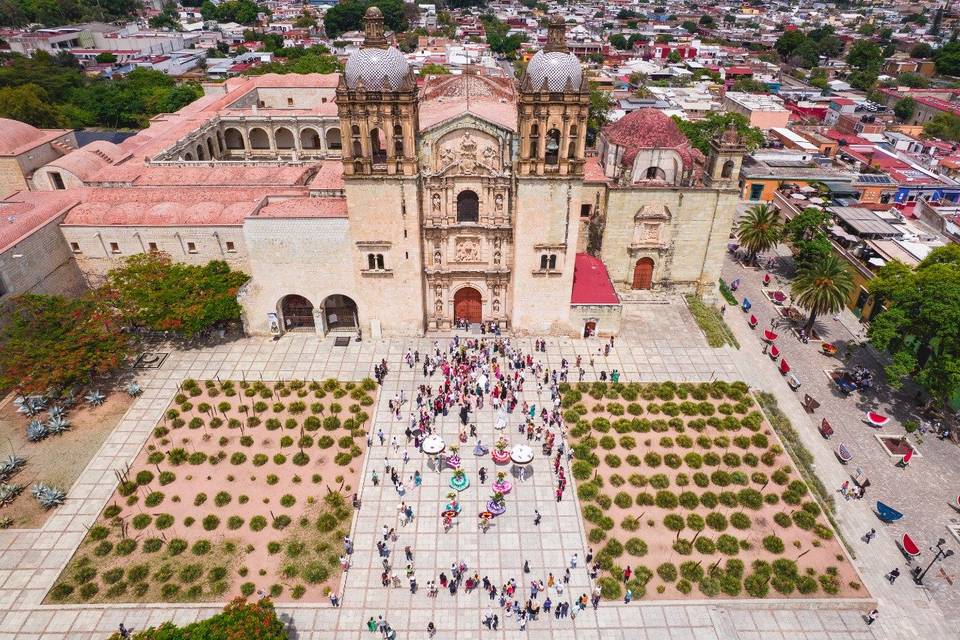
(688, 249)
(547, 219)
(605, 316)
(11, 177)
(91, 246)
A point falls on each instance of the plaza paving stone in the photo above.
(660, 344)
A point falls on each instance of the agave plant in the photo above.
(36, 431)
(134, 389)
(48, 497)
(56, 411)
(11, 465)
(56, 426)
(95, 398)
(30, 405)
(6, 523)
(9, 491)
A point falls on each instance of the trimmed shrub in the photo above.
(667, 572)
(773, 544)
(728, 545)
(636, 547)
(716, 521)
(740, 520)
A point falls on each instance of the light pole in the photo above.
(941, 553)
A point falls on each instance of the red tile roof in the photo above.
(648, 129)
(22, 213)
(591, 283)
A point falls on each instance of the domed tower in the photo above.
(377, 105)
(723, 162)
(553, 110)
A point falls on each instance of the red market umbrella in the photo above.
(774, 352)
(784, 367)
(769, 336)
(877, 419)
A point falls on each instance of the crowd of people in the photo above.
(461, 380)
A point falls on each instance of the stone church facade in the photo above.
(370, 203)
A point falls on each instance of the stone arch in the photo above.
(468, 206)
(378, 145)
(201, 155)
(188, 156)
(655, 173)
(339, 313)
(468, 304)
(283, 138)
(333, 138)
(398, 140)
(552, 149)
(259, 138)
(233, 138)
(727, 170)
(210, 149)
(643, 274)
(309, 138)
(296, 312)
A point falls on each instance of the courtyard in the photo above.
(33, 561)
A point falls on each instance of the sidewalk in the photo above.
(906, 611)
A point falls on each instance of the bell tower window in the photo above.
(553, 147)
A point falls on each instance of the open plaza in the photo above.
(680, 470)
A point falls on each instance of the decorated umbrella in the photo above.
(769, 336)
(876, 419)
(746, 305)
(784, 367)
(432, 444)
(753, 322)
(766, 279)
(486, 515)
(778, 297)
(774, 352)
(449, 513)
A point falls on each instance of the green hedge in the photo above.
(239, 619)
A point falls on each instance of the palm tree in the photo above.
(760, 229)
(822, 287)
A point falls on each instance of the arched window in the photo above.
(656, 173)
(553, 261)
(727, 170)
(284, 138)
(210, 148)
(398, 140)
(333, 138)
(371, 261)
(544, 261)
(377, 147)
(233, 138)
(259, 139)
(200, 152)
(355, 130)
(357, 149)
(534, 140)
(380, 261)
(309, 138)
(468, 207)
(572, 150)
(553, 147)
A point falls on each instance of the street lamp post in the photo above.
(941, 553)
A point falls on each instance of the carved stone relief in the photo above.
(467, 249)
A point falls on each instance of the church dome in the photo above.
(373, 66)
(556, 68)
(381, 68)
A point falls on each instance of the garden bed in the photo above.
(243, 488)
(56, 460)
(688, 486)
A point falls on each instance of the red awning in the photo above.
(591, 283)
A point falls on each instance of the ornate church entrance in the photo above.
(467, 305)
(643, 274)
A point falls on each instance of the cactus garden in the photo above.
(688, 486)
(243, 488)
(46, 440)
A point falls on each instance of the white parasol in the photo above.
(432, 444)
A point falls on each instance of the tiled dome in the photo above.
(373, 65)
(556, 68)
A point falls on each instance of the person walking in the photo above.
(893, 575)
(872, 616)
(626, 574)
(870, 535)
(536, 518)
(573, 560)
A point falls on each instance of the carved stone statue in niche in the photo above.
(446, 156)
(437, 257)
(438, 307)
(468, 249)
(436, 201)
(468, 153)
(497, 256)
(490, 157)
(498, 202)
(496, 306)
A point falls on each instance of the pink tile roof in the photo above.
(649, 129)
(489, 98)
(222, 175)
(330, 176)
(593, 171)
(19, 137)
(305, 208)
(591, 283)
(24, 212)
(168, 206)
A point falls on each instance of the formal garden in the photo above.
(688, 486)
(242, 489)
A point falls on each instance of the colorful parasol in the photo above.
(486, 515)
(449, 513)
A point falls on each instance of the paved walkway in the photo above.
(921, 492)
(31, 560)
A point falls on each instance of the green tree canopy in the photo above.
(151, 290)
(601, 103)
(250, 621)
(945, 126)
(30, 103)
(904, 108)
(239, 11)
(348, 16)
(311, 62)
(864, 55)
(496, 36)
(749, 85)
(52, 13)
(921, 50)
(759, 230)
(434, 69)
(52, 341)
(947, 59)
(919, 323)
(619, 41)
(700, 132)
(823, 286)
